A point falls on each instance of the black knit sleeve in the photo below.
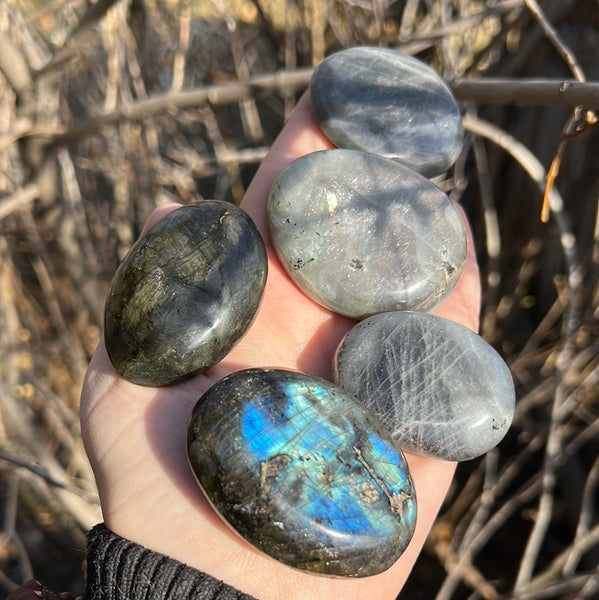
(118, 569)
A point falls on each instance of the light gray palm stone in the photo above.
(438, 387)
(362, 234)
(382, 101)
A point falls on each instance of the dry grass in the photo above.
(523, 521)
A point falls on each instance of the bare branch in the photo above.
(94, 13)
(528, 92)
(492, 237)
(525, 92)
(529, 162)
(554, 441)
(577, 123)
(582, 544)
(578, 116)
(47, 477)
(554, 38)
(19, 200)
(14, 66)
(23, 128)
(584, 518)
(173, 101)
(184, 34)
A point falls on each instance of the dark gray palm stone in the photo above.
(382, 101)
(185, 293)
(303, 472)
(362, 234)
(439, 388)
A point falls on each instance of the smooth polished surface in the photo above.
(439, 388)
(382, 101)
(185, 293)
(303, 472)
(362, 234)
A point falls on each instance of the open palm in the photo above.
(135, 436)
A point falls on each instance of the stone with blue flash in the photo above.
(303, 472)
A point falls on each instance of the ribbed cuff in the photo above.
(118, 569)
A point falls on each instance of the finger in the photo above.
(301, 135)
(159, 213)
(463, 305)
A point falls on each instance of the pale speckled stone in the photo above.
(362, 234)
(382, 101)
(438, 387)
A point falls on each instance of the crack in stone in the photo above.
(270, 469)
(396, 501)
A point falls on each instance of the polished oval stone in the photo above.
(361, 234)
(439, 388)
(185, 293)
(303, 472)
(382, 101)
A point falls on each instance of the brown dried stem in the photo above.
(517, 92)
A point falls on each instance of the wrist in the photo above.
(118, 568)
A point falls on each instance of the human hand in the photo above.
(135, 436)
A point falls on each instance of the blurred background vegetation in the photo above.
(108, 109)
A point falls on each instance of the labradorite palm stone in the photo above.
(185, 293)
(382, 101)
(362, 234)
(303, 472)
(439, 388)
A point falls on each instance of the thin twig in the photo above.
(527, 160)
(19, 200)
(10, 529)
(43, 474)
(587, 509)
(591, 587)
(554, 441)
(179, 60)
(408, 18)
(250, 115)
(14, 66)
(138, 80)
(555, 437)
(554, 38)
(171, 102)
(578, 122)
(23, 128)
(492, 239)
(560, 589)
(481, 526)
(563, 93)
(583, 544)
(553, 449)
(523, 495)
(578, 116)
(458, 563)
(66, 52)
(232, 170)
(555, 92)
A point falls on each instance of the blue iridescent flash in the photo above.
(303, 472)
